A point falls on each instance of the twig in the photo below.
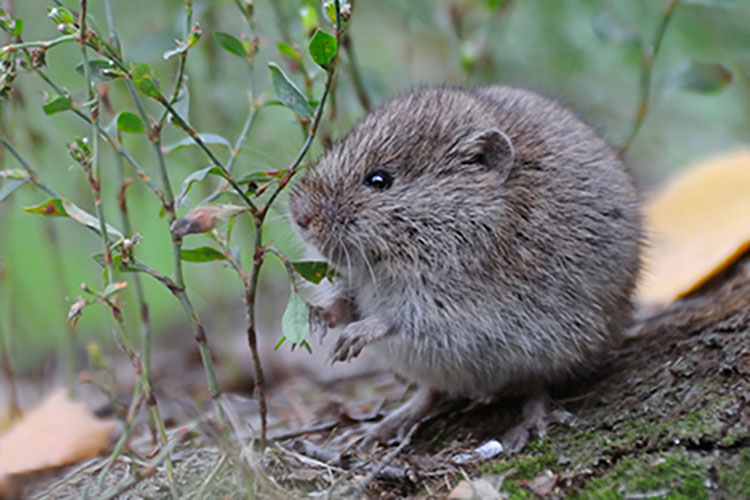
(95, 182)
(33, 176)
(235, 152)
(41, 44)
(149, 469)
(313, 429)
(648, 56)
(144, 364)
(178, 284)
(258, 254)
(360, 487)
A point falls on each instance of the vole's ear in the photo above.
(492, 148)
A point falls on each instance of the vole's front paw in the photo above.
(349, 345)
(356, 336)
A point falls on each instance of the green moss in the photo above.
(526, 466)
(691, 424)
(682, 478)
(513, 491)
(735, 480)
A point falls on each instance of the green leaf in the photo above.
(17, 27)
(56, 105)
(610, 31)
(14, 173)
(113, 288)
(323, 48)
(261, 177)
(53, 208)
(289, 51)
(296, 320)
(143, 79)
(308, 16)
(202, 254)
(130, 122)
(100, 69)
(330, 8)
(699, 77)
(61, 15)
(313, 271)
(288, 93)
(116, 261)
(197, 176)
(56, 207)
(88, 220)
(184, 46)
(230, 44)
(207, 138)
(10, 186)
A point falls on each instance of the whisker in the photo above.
(358, 246)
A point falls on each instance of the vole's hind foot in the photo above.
(355, 337)
(397, 425)
(537, 416)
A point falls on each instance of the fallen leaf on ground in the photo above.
(55, 433)
(697, 227)
(474, 489)
(543, 484)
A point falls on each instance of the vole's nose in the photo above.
(303, 220)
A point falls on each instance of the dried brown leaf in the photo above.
(697, 227)
(57, 432)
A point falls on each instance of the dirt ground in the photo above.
(668, 418)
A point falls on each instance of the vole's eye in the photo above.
(379, 179)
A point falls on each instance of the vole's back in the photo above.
(487, 279)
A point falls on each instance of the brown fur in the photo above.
(485, 263)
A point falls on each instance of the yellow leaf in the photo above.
(697, 226)
(57, 432)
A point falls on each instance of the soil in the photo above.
(670, 418)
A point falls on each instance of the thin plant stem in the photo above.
(650, 51)
(96, 180)
(259, 250)
(117, 148)
(181, 64)
(150, 468)
(33, 176)
(142, 382)
(183, 124)
(135, 404)
(178, 288)
(40, 44)
(234, 154)
(145, 360)
(143, 311)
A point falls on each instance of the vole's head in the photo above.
(418, 181)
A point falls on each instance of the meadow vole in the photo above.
(486, 239)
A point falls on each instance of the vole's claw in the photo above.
(348, 347)
(536, 418)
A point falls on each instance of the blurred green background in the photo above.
(545, 45)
